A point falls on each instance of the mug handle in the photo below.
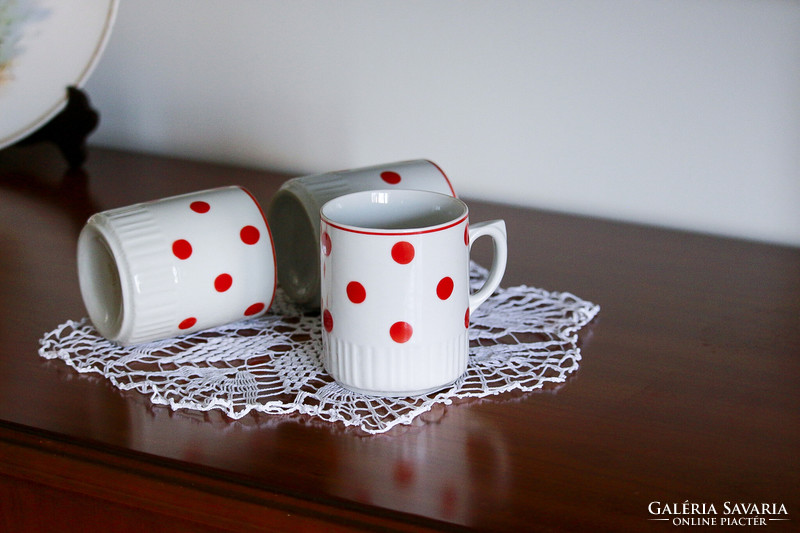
(496, 229)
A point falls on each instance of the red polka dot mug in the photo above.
(176, 265)
(395, 298)
(293, 215)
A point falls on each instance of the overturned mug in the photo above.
(293, 215)
(395, 296)
(176, 265)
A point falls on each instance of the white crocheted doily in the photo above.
(520, 338)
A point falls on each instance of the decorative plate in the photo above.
(45, 47)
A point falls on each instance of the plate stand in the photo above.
(69, 129)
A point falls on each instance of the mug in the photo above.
(395, 299)
(293, 215)
(176, 265)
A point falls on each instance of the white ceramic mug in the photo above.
(293, 215)
(395, 297)
(172, 266)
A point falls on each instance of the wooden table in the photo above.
(688, 392)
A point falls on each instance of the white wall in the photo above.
(684, 113)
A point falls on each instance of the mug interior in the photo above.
(296, 251)
(393, 210)
(100, 282)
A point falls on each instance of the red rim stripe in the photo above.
(446, 179)
(396, 232)
(271, 243)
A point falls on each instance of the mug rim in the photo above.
(415, 230)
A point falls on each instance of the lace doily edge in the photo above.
(227, 407)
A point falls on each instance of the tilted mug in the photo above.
(176, 265)
(293, 215)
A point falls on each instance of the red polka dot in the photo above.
(327, 321)
(199, 207)
(182, 249)
(445, 288)
(356, 292)
(187, 323)
(401, 332)
(223, 282)
(466, 235)
(326, 243)
(466, 319)
(392, 178)
(254, 309)
(249, 235)
(403, 252)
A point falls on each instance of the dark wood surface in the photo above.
(688, 390)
